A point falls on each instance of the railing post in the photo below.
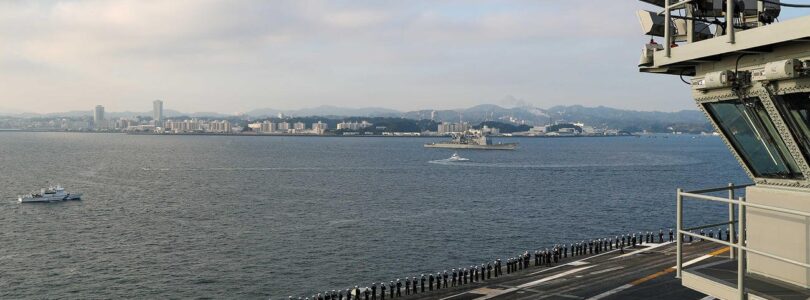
(731, 219)
(730, 21)
(679, 235)
(740, 252)
(667, 29)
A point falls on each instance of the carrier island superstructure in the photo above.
(750, 75)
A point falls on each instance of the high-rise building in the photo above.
(98, 114)
(157, 110)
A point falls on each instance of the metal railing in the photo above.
(740, 244)
(669, 6)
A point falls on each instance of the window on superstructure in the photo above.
(751, 132)
(795, 110)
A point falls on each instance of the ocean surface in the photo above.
(269, 217)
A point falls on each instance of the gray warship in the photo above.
(472, 140)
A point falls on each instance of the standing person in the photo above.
(399, 288)
(438, 280)
(407, 285)
(413, 284)
(382, 291)
(430, 282)
(489, 270)
(422, 282)
(373, 291)
(349, 294)
(391, 288)
(444, 279)
(671, 236)
(455, 275)
(365, 293)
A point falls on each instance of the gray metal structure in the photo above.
(751, 77)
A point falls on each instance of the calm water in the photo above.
(259, 217)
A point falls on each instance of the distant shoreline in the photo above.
(306, 135)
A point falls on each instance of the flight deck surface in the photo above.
(646, 272)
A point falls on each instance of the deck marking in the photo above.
(610, 292)
(574, 263)
(530, 284)
(696, 260)
(656, 275)
(552, 277)
(606, 270)
(643, 250)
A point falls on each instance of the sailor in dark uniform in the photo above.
(438, 280)
(407, 285)
(430, 281)
(455, 275)
(489, 270)
(444, 278)
(382, 290)
(399, 288)
(356, 292)
(391, 289)
(365, 293)
(373, 291)
(348, 294)
(413, 284)
(671, 236)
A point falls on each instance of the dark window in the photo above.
(795, 110)
(753, 135)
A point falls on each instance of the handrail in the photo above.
(740, 245)
(722, 242)
(754, 205)
(720, 189)
(711, 225)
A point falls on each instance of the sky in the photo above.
(237, 55)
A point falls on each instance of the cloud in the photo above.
(205, 55)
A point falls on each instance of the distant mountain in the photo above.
(327, 110)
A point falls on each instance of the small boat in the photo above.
(50, 194)
(455, 157)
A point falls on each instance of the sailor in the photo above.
(444, 278)
(498, 270)
(391, 289)
(365, 293)
(489, 270)
(413, 284)
(702, 233)
(508, 265)
(711, 233)
(455, 275)
(476, 273)
(407, 285)
(430, 281)
(334, 295)
(466, 275)
(438, 280)
(319, 297)
(670, 235)
(382, 290)
(483, 272)
(399, 288)
(727, 236)
(472, 272)
(356, 292)
(340, 295)
(691, 238)
(373, 291)
(621, 248)
(422, 282)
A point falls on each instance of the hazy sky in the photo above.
(234, 56)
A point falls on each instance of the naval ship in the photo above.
(50, 194)
(472, 140)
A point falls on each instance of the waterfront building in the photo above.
(223, 126)
(320, 127)
(353, 125)
(284, 127)
(157, 111)
(98, 114)
(268, 127)
(447, 127)
(299, 126)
